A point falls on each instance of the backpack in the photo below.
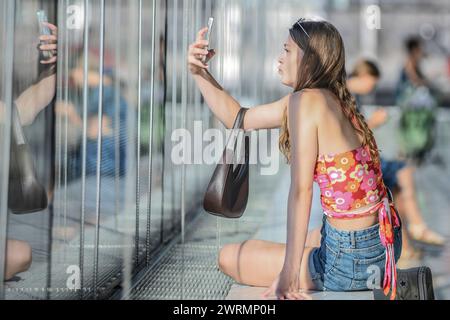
(417, 131)
(417, 122)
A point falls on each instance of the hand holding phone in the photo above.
(199, 53)
(208, 35)
(44, 30)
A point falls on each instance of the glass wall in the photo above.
(6, 75)
(98, 133)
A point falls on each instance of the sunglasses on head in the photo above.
(299, 22)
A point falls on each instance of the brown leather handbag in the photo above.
(227, 192)
(25, 193)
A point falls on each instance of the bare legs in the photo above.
(259, 262)
(408, 196)
(399, 205)
(407, 200)
(18, 258)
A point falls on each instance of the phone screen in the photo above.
(43, 29)
(208, 34)
(42, 17)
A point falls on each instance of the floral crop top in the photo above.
(348, 181)
(352, 180)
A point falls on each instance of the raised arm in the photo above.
(221, 103)
(36, 97)
(303, 119)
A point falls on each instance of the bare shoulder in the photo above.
(309, 104)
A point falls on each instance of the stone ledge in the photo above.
(242, 292)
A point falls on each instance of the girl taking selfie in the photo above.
(325, 140)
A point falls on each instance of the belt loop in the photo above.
(352, 237)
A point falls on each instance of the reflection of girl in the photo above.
(38, 96)
(326, 140)
(29, 104)
(108, 122)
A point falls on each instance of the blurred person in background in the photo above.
(417, 99)
(411, 74)
(397, 174)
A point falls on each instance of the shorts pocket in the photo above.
(368, 273)
(338, 275)
(329, 258)
(364, 268)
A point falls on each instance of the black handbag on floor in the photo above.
(412, 284)
(25, 194)
(227, 192)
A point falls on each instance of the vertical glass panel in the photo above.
(6, 76)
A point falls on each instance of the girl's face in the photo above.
(289, 61)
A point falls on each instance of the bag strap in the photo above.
(232, 140)
(239, 121)
(16, 127)
(238, 124)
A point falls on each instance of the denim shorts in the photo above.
(350, 260)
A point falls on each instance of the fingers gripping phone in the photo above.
(208, 35)
(44, 30)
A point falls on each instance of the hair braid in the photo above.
(348, 104)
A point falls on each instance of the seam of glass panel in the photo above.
(99, 146)
(138, 145)
(150, 147)
(84, 141)
(8, 82)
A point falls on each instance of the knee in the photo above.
(26, 257)
(226, 258)
(230, 256)
(21, 256)
(18, 258)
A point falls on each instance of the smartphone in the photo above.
(208, 34)
(44, 30)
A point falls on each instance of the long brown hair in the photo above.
(323, 66)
